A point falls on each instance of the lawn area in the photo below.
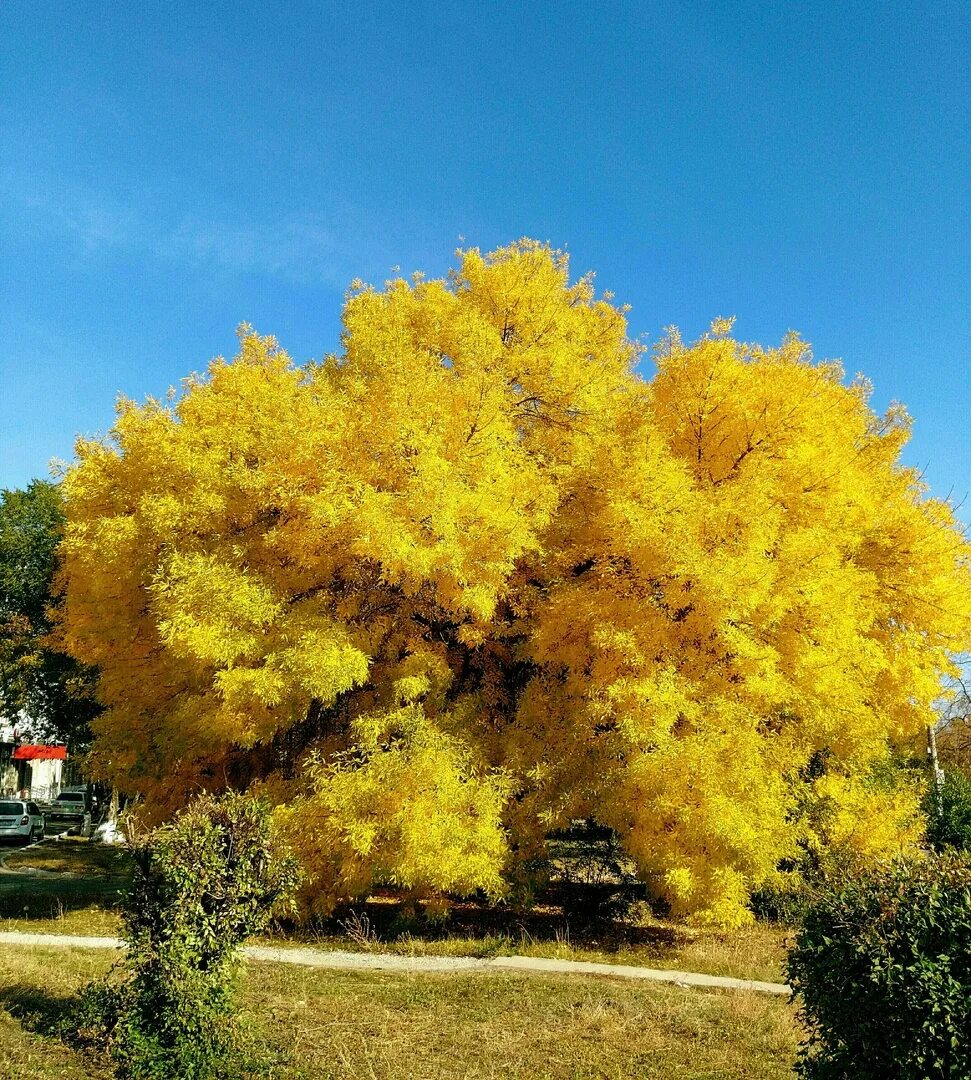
(65, 886)
(70, 855)
(82, 882)
(326, 1024)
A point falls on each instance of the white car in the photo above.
(20, 820)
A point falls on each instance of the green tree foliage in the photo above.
(203, 884)
(882, 966)
(949, 812)
(50, 689)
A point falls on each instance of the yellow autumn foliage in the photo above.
(474, 578)
(407, 806)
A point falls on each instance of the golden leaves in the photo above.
(474, 553)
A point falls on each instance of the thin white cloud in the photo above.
(329, 248)
(301, 249)
(45, 212)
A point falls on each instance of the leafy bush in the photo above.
(202, 885)
(949, 812)
(882, 964)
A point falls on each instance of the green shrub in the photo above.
(782, 900)
(949, 812)
(787, 894)
(882, 968)
(202, 885)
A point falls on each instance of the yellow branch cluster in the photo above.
(474, 578)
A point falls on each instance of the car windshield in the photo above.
(11, 807)
(70, 796)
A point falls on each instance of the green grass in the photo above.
(67, 886)
(379, 1026)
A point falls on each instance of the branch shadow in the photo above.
(41, 1011)
(387, 915)
(66, 1018)
(29, 896)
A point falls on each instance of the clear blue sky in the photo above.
(168, 170)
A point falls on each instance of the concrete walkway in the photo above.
(354, 961)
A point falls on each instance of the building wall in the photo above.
(42, 779)
(45, 778)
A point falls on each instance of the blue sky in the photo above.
(170, 170)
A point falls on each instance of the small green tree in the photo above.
(54, 692)
(202, 885)
(882, 968)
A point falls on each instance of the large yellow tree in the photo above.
(474, 578)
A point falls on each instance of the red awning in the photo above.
(40, 753)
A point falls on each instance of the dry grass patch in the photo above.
(352, 1025)
(326, 1025)
(90, 920)
(757, 953)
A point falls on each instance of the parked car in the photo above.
(20, 820)
(70, 810)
